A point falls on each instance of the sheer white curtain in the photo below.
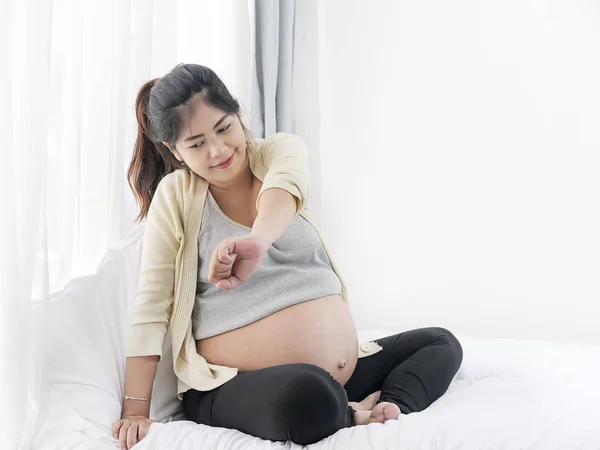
(70, 73)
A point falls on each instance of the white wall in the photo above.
(458, 146)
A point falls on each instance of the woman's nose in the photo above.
(217, 149)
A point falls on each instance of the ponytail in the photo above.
(151, 160)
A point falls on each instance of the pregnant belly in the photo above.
(320, 332)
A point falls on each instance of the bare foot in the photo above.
(367, 404)
(381, 413)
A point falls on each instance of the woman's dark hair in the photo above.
(158, 111)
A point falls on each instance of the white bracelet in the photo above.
(127, 397)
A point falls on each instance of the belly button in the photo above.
(342, 364)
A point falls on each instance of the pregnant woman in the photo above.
(233, 264)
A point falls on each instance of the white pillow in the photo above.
(88, 324)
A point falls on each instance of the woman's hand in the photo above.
(235, 260)
(131, 429)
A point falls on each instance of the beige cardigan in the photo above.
(168, 274)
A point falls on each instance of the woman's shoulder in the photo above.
(271, 138)
(291, 144)
(169, 187)
(276, 138)
(174, 188)
(179, 181)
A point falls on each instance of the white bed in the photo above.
(508, 394)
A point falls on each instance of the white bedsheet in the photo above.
(508, 394)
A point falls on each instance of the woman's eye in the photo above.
(222, 130)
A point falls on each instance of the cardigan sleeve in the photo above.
(154, 298)
(285, 160)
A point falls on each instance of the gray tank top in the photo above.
(295, 269)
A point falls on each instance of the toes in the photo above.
(383, 412)
(377, 414)
(391, 411)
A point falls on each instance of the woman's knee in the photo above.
(315, 405)
(452, 349)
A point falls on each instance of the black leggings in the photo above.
(303, 403)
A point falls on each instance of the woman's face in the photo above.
(211, 142)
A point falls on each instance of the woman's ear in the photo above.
(175, 152)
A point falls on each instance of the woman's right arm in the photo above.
(135, 416)
(139, 379)
(151, 313)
